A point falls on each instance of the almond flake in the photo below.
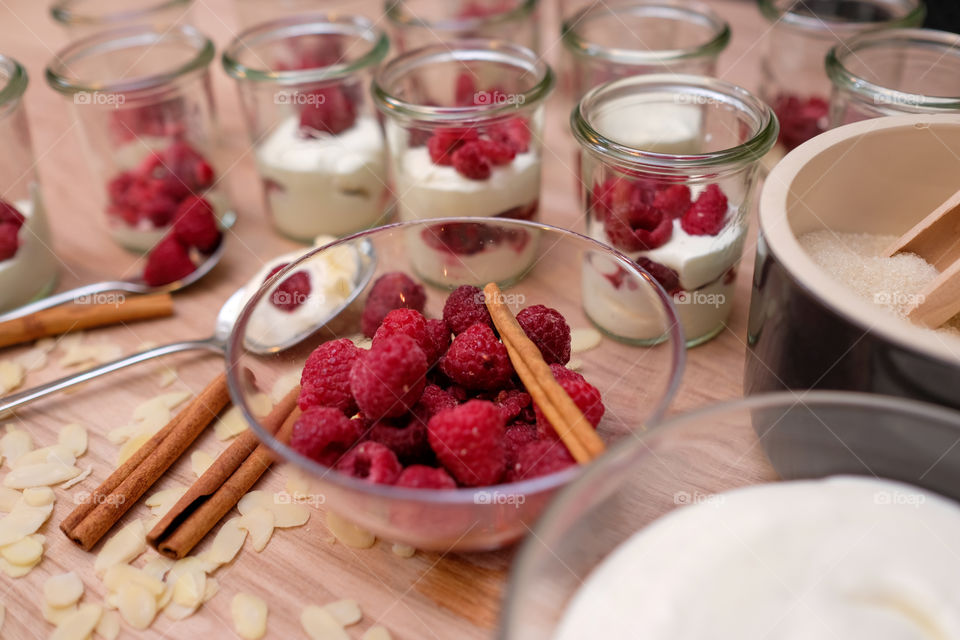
(584, 339)
(130, 446)
(77, 480)
(165, 402)
(109, 626)
(349, 533)
(260, 404)
(15, 570)
(230, 424)
(321, 625)
(63, 590)
(285, 513)
(56, 615)
(54, 453)
(162, 501)
(361, 341)
(11, 375)
(40, 475)
(74, 437)
(124, 546)
(259, 522)
(249, 616)
(176, 611)
(38, 496)
(25, 552)
(296, 482)
(22, 521)
(137, 606)
(575, 364)
(403, 550)
(168, 375)
(8, 498)
(213, 586)
(79, 625)
(346, 612)
(189, 588)
(376, 633)
(15, 443)
(227, 542)
(120, 576)
(200, 461)
(32, 360)
(284, 385)
(157, 566)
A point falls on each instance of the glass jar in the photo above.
(318, 144)
(28, 266)
(145, 107)
(464, 124)
(84, 17)
(604, 43)
(894, 71)
(800, 36)
(418, 23)
(669, 166)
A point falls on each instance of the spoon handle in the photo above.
(29, 395)
(86, 291)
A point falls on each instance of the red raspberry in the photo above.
(459, 393)
(705, 217)
(433, 401)
(9, 240)
(464, 89)
(468, 440)
(497, 153)
(325, 380)
(800, 118)
(180, 166)
(438, 336)
(471, 162)
(329, 110)
(638, 227)
(583, 394)
(667, 277)
(10, 215)
(394, 290)
(539, 459)
(292, 292)
(515, 437)
(388, 380)
(408, 443)
(168, 262)
(371, 461)
(464, 308)
(405, 322)
(324, 434)
(443, 142)
(477, 360)
(548, 329)
(512, 402)
(420, 476)
(514, 133)
(195, 224)
(673, 200)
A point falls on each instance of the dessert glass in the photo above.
(700, 141)
(689, 459)
(144, 103)
(800, 35)
(28, 266)
(603, 43)
(418, 23)
(481, 518)
(318, 143)
(894, 71)
(84, 17)
(464, 124)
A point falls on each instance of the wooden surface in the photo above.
(428, 596)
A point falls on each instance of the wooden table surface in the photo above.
(427, 596)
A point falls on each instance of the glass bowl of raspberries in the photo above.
(143, 100)
(669, 163)
(413, 423)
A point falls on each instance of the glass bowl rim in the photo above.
(65, 12)
(913, 16)
(460, 496)
(625, 452)
(306, 24)
(16, 82)
(396, 15)
(713, 46)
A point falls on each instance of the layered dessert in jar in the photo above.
(28, 267)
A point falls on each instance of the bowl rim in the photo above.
(460, 496)
(624, 453)
(780, 241)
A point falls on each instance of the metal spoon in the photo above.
(217, 343)
(130, 285)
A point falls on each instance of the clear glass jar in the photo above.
(800, 36)
(604, 43)
(669, 167)
(84, 17)
(254, 12)
(28, 266)
(464, 124)
(145, 106)
(318, 144)
(894, 71)
(418, 23)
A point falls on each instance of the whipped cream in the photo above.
(333, 276)
(32, 271)
(429, 190)
(500, 262)
(845, 557)
(659, 128)
(334, 184)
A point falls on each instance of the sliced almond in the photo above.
(120, 576)
(32, 360)
(321, 625)
(403, 550)
(38, 496)
(12, 374)
(200, 461)
(14, 443)
(22, 521)
(8, 498)
(228, 542)
(296, 484)
(349, 533)
(230, 424)
(189, 588)
(286, 514)
(130, 446)
(284, 385)
(63, 589)
(376, 633)
(162, 501)
(176, 611)
(165, 401)
(249, 616)
(79, 625)
(25, 552)
(109, 626)
(584, 339)
(124, 546)
(157, 566)
(53, 453)
(56, 615)
(137, 606)
(259, 522)
(78, 479)
(74, 437)
(15, 570)
(346, 612)
(212, 588)
(575, 364)
(260, 404)
(40, 475)
(167, 375)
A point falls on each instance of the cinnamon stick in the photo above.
(222, 485)
(90, 521)
(75, 317)
(577, 434)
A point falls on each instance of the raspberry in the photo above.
(705, 216)
(394, 290)
(372, 462)
(667, 277)
(325, 380)
(583, 394)
(496, 152)
(408, 443)
(673, 201)
(292, 292)
(548, 329)
(388, 380)
(514, 133)
(433, 401)
(800, 118)
(515, 437)
(459, 393)
(405, 322)
(168, 262)
(511, 403)
(180, 165)
(438, 336)
(464, 90)
(539, 459)
(9, 240)
(420, 476)
(195, 224)
(468, 440)
(442, 144)
(464, 308)
(637, 227)
(471, 162)
(477, 360)
(324, 434)
(10, 215)
(329, 110)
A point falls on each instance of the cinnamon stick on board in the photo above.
(222, 485)
(90, 521)
(74, 317)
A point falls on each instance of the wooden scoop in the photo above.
(936, 239)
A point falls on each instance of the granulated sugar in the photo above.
(856, 260)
